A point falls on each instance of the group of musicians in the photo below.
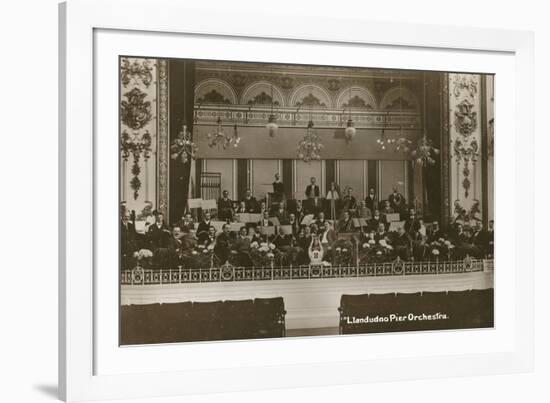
(311, 225)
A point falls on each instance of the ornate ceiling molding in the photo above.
(310, 95)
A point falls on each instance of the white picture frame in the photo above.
(83, 349)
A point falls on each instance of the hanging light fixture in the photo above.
(350, 130)
(309, 148)
(182, 146)
(271, 125)
(384, 141)
(218, 137)
(425, 151)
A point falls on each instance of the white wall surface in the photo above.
(28, 166)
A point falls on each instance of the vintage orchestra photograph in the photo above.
(264, 200)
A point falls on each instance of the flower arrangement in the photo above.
(264, 254)
(342, 253)
(143, 257)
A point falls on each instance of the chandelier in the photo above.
(309, 148)
(425, 151)
(218, 137)
(183, 147)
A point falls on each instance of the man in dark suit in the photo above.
(346, 224)
(490, 239)
(175, 246)
(312, 190)
(293, 223)
(128, 236)
(412, 224)
(397, 201)
(402, 244)
(242, 208)
(186, 223)
(223, 244)
(241, 248)
(349, 203)
(370, 200)
(264, 222)
(204, 225)
(436, 233)
(158, 233)
(225, 207)
(250, 202)
(278, 188)
(375, 221)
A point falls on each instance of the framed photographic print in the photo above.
(315, 207)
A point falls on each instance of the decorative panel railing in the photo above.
(227, 272)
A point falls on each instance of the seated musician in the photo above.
(375, 221)
(402, 244)
(479, 238)
(349, 203)
(397, 201)
(208, 238)
(314, 228)
(299, 212)
(241, 248)
(186, 223)
(250, 203)
(381, 232)
(293, 223)
(328, 237)
(241, 209)
(204, 226)
(158, 233)
(225, 207)
(128, 235)
(264, 222)
(412, 224)
(282, 214)
(263, 208)
(176, 246)
(284, 241)
(332, 198)
(363, 211)
(436, 233)
(370, 200)
(387, 208)
(257, 235)
(346, 224)
(320, 221)
(223, 244)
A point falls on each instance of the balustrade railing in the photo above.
(227, 272)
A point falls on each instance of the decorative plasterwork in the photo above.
(214, 91)
(310, 96)
(465, 139)
(137, 128)
(360, 97)
(399, 98)
(259, 93)
(163, 138)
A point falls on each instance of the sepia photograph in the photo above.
(264, 200)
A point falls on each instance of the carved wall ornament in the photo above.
(137, 146)
(135, 111)
(311, 100)
(465, 118)
(333, 84)
(465, 82)
(287, 83)
(213, 97)
(400, 103)
(357, 102)
(136, 72)
(262, 99)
